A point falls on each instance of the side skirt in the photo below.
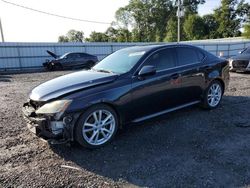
(165, 111)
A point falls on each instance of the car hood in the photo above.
(70, 83)
(241, 57)
(52, 54)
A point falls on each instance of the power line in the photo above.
(55, 15)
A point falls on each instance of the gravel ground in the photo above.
(188, 148)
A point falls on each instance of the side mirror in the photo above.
(147, 70)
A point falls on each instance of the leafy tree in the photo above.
(63, 39)
(111, 33)
(171, 28)
(229, 17)
(191, 6)
(211, 26)
(123, 17)
(147, 18)
(194, 27)
(162, 10)
(72, 36)
(97, 37)
(247, 31)
(124, 35)
(247, 26)
(118, 35)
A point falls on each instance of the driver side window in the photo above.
(163, 59)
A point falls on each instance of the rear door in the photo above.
(192, 77)
(83, 58)
(157, 92)
(69, 60)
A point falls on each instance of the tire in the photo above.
(50, 67)
(92, 133)
(58, 67)
(213, 95)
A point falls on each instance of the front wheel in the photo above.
(97, 126)
(213, 95)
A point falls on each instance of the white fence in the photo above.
(22, 56)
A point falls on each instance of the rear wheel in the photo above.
(58, 66)
(213, 95)
(97, 126)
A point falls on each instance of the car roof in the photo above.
(148, 48)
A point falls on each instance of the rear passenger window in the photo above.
(200, 55)
(163, 59)
(82, 55)
(187, 56)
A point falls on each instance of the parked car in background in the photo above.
(129, 86)
(240, 62)
(70, 60)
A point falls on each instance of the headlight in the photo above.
(54, 107)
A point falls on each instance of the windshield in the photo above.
(63, 56)
(120, 62)
(246, 51)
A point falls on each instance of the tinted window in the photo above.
(83, 55)
(163, 59)
(187, 56)
(246, 51)
(201, 56)
(71, 56)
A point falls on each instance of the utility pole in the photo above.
(1, 30)
(179, 15)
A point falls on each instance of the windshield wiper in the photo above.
(102, 70)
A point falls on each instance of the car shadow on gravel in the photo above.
(190, 147)
(5, 78)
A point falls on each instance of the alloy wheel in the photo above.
(214, 95)
(99, 127)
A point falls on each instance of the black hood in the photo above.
(241, 57)
(70, 83)
(52, 54)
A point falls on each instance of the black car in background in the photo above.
(240, 62)
(129, 86)
(70, 60)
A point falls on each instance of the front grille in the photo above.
(240, 63)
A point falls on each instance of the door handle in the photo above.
(175, 76)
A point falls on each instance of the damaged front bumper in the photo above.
(47, 128)
(239, 65)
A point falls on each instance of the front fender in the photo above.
(214, 74)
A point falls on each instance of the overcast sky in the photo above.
(22, 25)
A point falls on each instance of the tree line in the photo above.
(156, 21)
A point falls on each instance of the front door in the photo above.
(155, 93)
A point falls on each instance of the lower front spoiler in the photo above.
(38, 126)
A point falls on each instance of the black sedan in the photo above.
(70, 60)
(129, 86)
(240, 62)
